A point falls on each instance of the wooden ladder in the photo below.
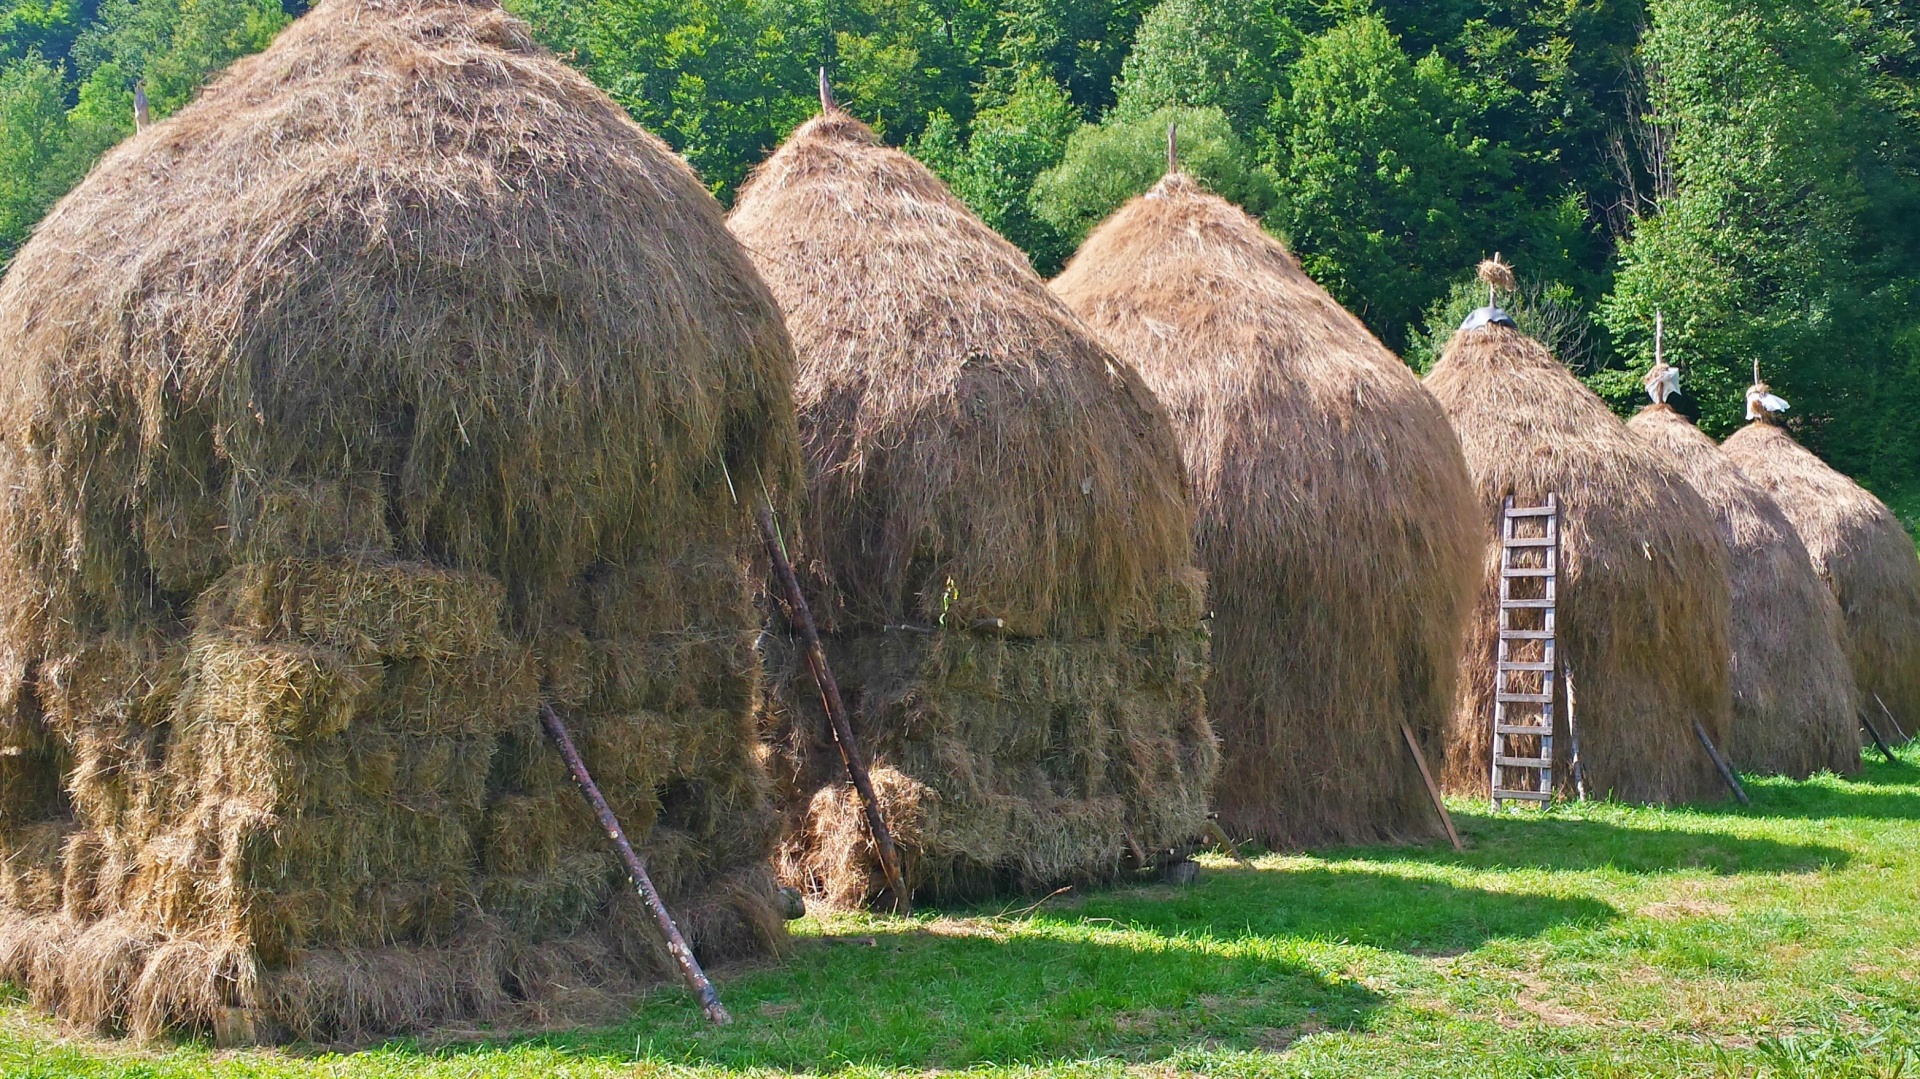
(1524, 673)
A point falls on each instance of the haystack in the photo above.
(386, 388)
(999, 541)
(1336, 520)
(1794, 705)
(1865, 557)
(1643, 594)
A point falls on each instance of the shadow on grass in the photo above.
(1527, 839)
(1134, 973)
(1884, 790)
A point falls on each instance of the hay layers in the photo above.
(1643, 601)
(1865, 556)
(387, 387)
(1794, 705)
(1336, 520)
(999, 538)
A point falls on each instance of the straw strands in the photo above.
(391, 385)
(1866, 558)
(1794, 705)
(1643, 601)
(1336, 520)
(999, 536)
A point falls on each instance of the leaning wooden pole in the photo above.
(1877, 739)
(696, 978)
(1433, 789)
(850, 755)
(1719, 762)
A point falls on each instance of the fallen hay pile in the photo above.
(329, 443)
(1794, 706)
(1866, 558)
(1643, 600)
(999, 534)
(1336, 521)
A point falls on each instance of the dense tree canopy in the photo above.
(1752, 170)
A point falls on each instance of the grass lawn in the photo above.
(1594, 940)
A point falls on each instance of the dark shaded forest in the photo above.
(1750, 169)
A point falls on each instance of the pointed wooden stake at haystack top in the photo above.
(1173, 149)
(856, 764)
(140, 119)
(827, 104)
(689, 966)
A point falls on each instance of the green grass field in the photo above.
(1595, 940)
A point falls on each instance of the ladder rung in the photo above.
(1528, 604)
(1531, 796)
(1523, 698)
(1529, 511)
(1518, 665)
(1526, 571)
(1523, 762)
(1526, 635)
(1541, 541)
(1516, 728)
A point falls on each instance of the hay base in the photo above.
(1001, 764)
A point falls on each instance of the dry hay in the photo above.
(999, 535)
(1336, 520)
(391, 384)
(1794, 704)
(1643, 596)
(1866, 558)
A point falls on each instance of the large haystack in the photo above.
(1866, 558)
(1643, 598)
(1336, 520)
(382, 390)
(1794, 706)
(999, 537)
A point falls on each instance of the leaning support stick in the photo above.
(1433, 789)
(1573, 743)
(850, 754)
(1226, 843)
(689, 966)
(1875, 731)
(1726, 770)
(1889, 714)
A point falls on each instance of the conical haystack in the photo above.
(1794, 706)
(1643, 595)
(380, 392)
(1866, 558)
(999, 533)
(1336, 520)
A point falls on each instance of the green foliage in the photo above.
(45, 27)
(1549, 312)
(1108, 163)
(1230, 54)
(1018, 132)
(1774, 244)
(1751, 169)
(33, 127)
(1376, 161)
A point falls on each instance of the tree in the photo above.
(1108, 163)
(1377, 165)
(1228, 54)
(33, 126)
(1772, 244)
(1018, 132)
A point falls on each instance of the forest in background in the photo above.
(1750, 168)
